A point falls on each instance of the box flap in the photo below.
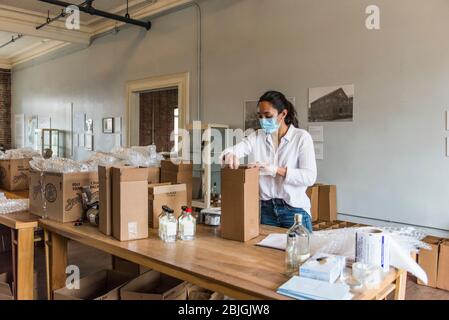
(239, 175)
(131, 173)
(168, 165)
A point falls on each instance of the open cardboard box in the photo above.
(153, 285)
(102, 285)
(14, 174)
(62, 194)
(197, 293)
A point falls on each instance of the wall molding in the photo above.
(178, 80)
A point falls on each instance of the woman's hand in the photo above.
(232, 161)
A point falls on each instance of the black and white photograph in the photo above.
(334, 103)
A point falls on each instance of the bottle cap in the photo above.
(298, 218)
(189, 210)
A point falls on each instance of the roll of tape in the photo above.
(373, 247)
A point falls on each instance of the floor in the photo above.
(90, 260)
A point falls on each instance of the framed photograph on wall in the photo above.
(108, 125)
(330, 104)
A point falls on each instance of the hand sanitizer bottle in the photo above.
(186, 225)
(162, 222)
(301, 242)
(171, 226)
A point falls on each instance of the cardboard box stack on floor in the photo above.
(173, 196)
(153, 285)
(435, 262)
(14, 174)
(102, 285)
(58, 195)
(5, 289)
(240, 204)
(129, 203)
(181, 173)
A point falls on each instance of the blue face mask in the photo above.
(269, 125)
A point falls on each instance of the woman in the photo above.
(286, 158)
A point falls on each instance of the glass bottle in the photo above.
(291, 261)
(301, 243)
(186, 225)
(171, 226)
(162, 222)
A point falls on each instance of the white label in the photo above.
(132, 230)
(171, 229)
(187, 229)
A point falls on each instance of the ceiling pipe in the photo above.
(88, 8)
(13, 39)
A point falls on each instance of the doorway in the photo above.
(167, 97)
(158, 118)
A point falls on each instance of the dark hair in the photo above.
(280, 103)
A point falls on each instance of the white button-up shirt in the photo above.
(295, 152)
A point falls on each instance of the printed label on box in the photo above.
(132, 230)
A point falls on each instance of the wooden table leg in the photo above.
(56, 262)
(401, 285)
(24, 264)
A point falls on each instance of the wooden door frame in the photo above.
(178, 80)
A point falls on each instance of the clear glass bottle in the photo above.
(186, 225)
(298, 241)
(162, 222)
(291, 261)
(171, 227)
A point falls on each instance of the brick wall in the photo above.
(5, 108)
(164, 102)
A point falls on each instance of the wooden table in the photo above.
(22, 227)
(238, 270)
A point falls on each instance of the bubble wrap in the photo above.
(24, 153)
(11, 206)
(56, 164)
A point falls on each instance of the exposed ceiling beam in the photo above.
(88, 8)
(20, 22)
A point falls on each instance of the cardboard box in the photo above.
(154, 175)
(428, 260)
(62, 193)
(125, 266)
(153, 285)
(313, 194)
(327, 206)
(14, 174)
(174, 196)
(178, 173)
(443, 266)
(105, 199)
(240, 207)
(197, 293)
(102, 285)
(129, 203)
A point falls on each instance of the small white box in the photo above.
(324, 267)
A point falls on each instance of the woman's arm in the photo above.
(307, 173)
(240, 150)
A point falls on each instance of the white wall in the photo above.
(388, 164)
